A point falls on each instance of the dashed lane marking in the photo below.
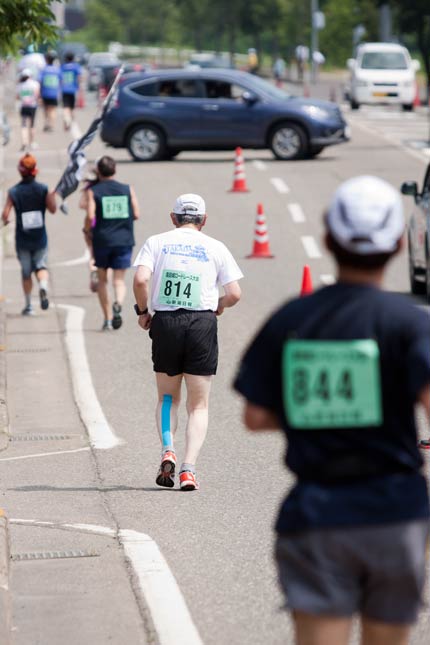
(259, 165)
(280, 185)
(311, 247)
(327, 278)
(297, 214)
(101, 435)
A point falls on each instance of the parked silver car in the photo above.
(419, 235)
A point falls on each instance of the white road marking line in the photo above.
(297, 214)
(327, 278)
(259, 165)
(83, 259)
(311, 247)
(170, 615)
(101, 434)
(172, 620)
(280, 185)
(84, 528)
(43, 454)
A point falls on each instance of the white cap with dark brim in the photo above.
(190, 204)
(366, 216)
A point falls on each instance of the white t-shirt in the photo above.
(28, 93)
(187, 266)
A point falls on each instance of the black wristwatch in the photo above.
(140, 312)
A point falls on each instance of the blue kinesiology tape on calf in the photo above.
(166, 435)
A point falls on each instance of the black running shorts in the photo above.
(28, 113)
(184, 341)
(68, 100)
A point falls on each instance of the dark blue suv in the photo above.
(157, 114)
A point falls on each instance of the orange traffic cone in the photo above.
(239, 181)
(80, 103)
(261, 248)
(417, 100)
(307, 287)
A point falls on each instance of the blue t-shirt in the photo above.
(50, 82)
(348, 476)
(70, 73)
(29, 200)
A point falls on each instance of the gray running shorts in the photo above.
(32, 260)
(375, 571)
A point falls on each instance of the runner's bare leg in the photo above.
(377, 633)
(198, 390)
(119, 287)
(321, 630)
(168, 385)
(103, 294)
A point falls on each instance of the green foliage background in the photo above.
(29, 20)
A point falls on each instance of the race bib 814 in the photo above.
(180, 289)
(331, 384)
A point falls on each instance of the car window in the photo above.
(145, 89)
(384, 60)
(216, 89)
(183, 87)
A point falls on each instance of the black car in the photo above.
(419, 235)
(159, 113)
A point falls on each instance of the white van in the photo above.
(382, 73)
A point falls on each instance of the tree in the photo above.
(413, 18)
(31, 20)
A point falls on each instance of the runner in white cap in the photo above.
(186, 268)
(340, 371)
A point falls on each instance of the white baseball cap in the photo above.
(26, 72)
(189, 204)
(366, 216)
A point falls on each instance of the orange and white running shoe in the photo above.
(187, 480)
(166, 472)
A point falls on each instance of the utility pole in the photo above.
(385, 24)
(314, 39)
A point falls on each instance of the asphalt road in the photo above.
(217, 542)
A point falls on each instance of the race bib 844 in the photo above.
(330, 384)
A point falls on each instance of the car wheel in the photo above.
(314, 151)
(146, 143)
(288, 141)
(354, 105)
(407, 107)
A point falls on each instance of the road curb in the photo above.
(5, 606)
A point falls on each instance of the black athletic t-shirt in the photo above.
(349, 475)
(29, 200)
(114, 214)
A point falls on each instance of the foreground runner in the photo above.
(111, 210)
(30, 199)
(340, 372)
(186, 268)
